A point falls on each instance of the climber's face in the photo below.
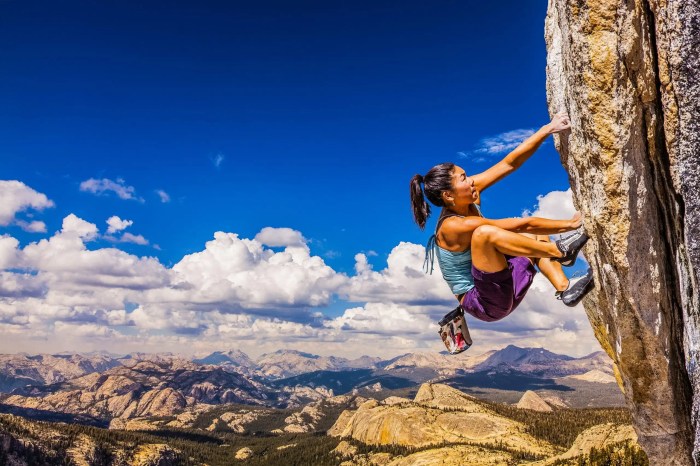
(463, 190)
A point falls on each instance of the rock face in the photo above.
(598, 437)
(531, 400)
(594, 376)
(145, 389)
(628, 74)
(19, 370)
(244, 453)
(288, 363)
(438, 414)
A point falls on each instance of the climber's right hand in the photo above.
(559, 123)
(576, 221)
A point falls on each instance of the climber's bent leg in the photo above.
(491, 244)
(498, 292)
(552, 270)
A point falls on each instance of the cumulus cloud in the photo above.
(263, 293)
(83, 330)
(115, 224)
(35, 226)
(243, 273)
(402, 281)
(383, 319)
(9, 254)
(105, 185)
(16, 197)
(277, 237)
(21, 285)
(555, 204)
(72, 266)
(74, 225)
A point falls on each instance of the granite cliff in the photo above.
(628, 74)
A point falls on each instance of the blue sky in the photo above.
(311, 116)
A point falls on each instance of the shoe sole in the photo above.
(585, 291)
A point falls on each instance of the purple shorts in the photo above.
(497, 294)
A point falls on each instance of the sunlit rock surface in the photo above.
(628, 75)
(531, 400)
(596, 437)
(438, 414)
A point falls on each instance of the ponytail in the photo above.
(436, 181)
(421, 209)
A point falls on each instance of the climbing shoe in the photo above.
(570, 247)
(578, 288)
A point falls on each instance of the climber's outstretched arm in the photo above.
(520, 154)
(460, 226)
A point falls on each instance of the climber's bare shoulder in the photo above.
(456, 232)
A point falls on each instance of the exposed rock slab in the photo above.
(595, 376)
(439, 414)
(596, 437)
(244, 453)
(531, 400)
(475, 456)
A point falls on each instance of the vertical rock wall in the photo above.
(628, 73)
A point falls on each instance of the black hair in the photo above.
(435, 182)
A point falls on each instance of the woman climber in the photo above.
(489, 264)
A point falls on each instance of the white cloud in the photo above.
(71, 266)
(542, 320)
(164, 197)
(77, 226)
(262, 293)
(34, 226)
(84, 330)
(18, 285)
(136, 239)
(218, 159)
(403, 280)
(498, 144)
(243, 273)
(385, 319)
(116, 224)
(277, 237)
(16, 197)
(105, 185)
(9, 254)
(556, 204)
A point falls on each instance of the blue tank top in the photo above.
(456, 266)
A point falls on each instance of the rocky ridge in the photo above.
(18, 370)
(288, 363)
(44, 444)
(145, 389)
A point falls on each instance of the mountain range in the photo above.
(102, 389)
